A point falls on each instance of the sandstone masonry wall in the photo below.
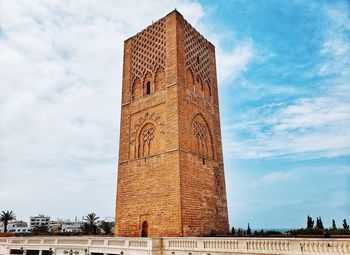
(170, 173)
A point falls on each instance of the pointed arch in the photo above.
(136, 143)
(207, 92)
(159, 83)
(136, 89)
(201, 137)
(147, 84)
(189, 79)
(199, 86)
(147, 140)
(146, 137)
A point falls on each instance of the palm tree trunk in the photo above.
(5, 226)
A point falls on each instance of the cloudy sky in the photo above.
(284, 81)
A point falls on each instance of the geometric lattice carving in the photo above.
(146, 144)
(200, 131)
(148, 50)
(197, 54)
(148, 135)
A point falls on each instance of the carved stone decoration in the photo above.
(197, 56)
(200, 131)
(145, 135)
(148, 50)
(146, 145)
(202, 142)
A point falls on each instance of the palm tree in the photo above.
(90, 219)
(85, 228)
(5, 217)
(107, 227)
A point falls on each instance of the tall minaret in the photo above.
(170, 173)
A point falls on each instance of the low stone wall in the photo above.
(170, 246)
(215, 246)
(79, 245)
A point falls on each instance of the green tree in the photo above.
(249, 231)
(319, 223)
(334, 226)
(107, 227)
(345, 224)
(5, 217)
(310, 222)
(233, 231)
(85, 228)
(40, 229)
(91, 219)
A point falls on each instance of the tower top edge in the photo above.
(176, 12)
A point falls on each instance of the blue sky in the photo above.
(285, 116)
(284, 83)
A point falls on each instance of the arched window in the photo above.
(144, 229)
(148, 88)
(147, 84)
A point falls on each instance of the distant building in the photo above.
(20, 230)
(16, 227)
(73, 227)
(39, 220)
(17, 224)
(56, 225)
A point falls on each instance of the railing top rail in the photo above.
(80, 238)
(256, 238)
(176, 238)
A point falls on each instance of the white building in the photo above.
(17, 224)
(56, 225)
(73, 227)
(20, 230)
(39, 220)
(16, 227)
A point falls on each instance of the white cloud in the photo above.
(231, 63)
(60, 69)
(274, 178)
(306, 127)
(310, 127)
(335, 45)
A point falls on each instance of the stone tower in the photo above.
(171, 173)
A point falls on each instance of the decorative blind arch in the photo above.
(147, 139)
(202, 141)
(145, 136)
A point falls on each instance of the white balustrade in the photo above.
(176, 246)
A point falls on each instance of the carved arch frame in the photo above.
(203, 83)
(153, 119)
(157, 70)
(190, 71)
(211, 141)
(142, 79)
